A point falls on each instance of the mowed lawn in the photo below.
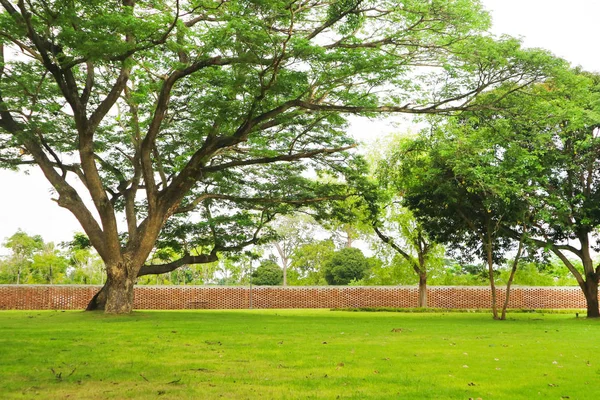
(297, 354)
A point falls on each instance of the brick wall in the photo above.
(71, 297)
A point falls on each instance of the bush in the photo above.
(345, 266)
(268, 273)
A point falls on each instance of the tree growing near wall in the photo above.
(268, 273)
(526, 172)
(309, 260)
(556, 126)
(461, 186)
(291, 233)
(346, 265)
(406, 236)
(196, 121)
(23, 247)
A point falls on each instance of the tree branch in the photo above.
(268, 160)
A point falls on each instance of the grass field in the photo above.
(297, 354)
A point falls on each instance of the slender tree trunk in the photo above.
(513, 270)
(508, 285)
(490, 262)
(285, 267)
(591, 297)
(422, 289)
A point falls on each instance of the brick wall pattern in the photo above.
(72, 297)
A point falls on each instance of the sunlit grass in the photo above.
(276, 354)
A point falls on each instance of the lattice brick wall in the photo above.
(70, 297)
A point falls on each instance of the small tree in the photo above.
(308, 263)
(22, 247)
(346, 265)
(268, 273)
(291, 232)
(407, 237)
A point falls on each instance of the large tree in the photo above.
(196, 121)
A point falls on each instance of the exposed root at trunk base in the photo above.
(98, 302)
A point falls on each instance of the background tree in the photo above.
(308, 263)
(291, 232)
(198, 121)
(345, 266)
(22, 247)
(85, 264)
(406, 236)
(49, 266)
(268, 273)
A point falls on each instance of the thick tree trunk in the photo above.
(422, 289)
(116, 296)
(591, 297)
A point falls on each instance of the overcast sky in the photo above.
(568, 29)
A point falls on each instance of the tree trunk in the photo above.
(490, 262)
(591, 297)
(508, 285)
(98, 302)
(116, 296)
(422, 289)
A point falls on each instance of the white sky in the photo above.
(568, 29)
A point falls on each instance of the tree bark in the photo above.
(490, 262)
(591, 297)
(513, 270)
(422, 289)
(508, 285)
(116, 296)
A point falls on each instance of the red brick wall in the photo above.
(39, 297)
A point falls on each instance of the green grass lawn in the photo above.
(297, 354)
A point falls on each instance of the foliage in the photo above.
(309, 262)
(345, 265)
(268, 273)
